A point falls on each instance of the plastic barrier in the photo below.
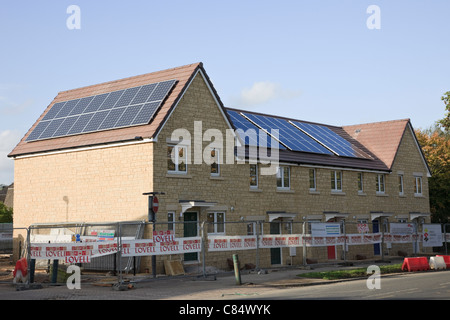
(446, 260)
(437, 263)
(20, 271)
(415, 264)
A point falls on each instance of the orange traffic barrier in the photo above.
(446, 259)
(415, 264)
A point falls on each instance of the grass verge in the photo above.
(347, 274)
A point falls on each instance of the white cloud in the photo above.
(262, 92)
(8, 140)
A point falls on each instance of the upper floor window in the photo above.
(176, 159)
(380, 184)
(360, 182)
(336, 180)
(283, 177)
(215, 165)
(417, 186)
(312, 180)
(400, 185)
(253, 176)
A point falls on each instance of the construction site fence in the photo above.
(131, 248)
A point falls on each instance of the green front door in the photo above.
(190, 230)
(275, 253)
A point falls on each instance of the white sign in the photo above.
(47, 251)
(401, 228)
(432, 235)
(226, 243)
(322, 229)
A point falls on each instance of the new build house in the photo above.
(95, 150)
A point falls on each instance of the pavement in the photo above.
(218, 286)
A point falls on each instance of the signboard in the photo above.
(363, 228)
(155, 204)
(323, 229)
(432, 235)
(225, 243)
(401, 228)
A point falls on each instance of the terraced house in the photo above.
(95, 150)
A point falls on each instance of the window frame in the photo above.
(215, 223)
(281, 171)
(380, 183)
(418, 187)
(401, 186)
(312, 180)
(177, 159)
(215, 161)
(335, 181)
(254, 175)
(360, 182)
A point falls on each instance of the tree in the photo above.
(445, 123)
(435, 143)
(6, 214)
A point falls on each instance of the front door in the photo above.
(376, 246)
(190, 230)
(275, 253)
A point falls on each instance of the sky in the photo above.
(338, 62)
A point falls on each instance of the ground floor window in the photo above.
(216, 222)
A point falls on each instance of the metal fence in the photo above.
(150, 250)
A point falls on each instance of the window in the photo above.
(171, 221)
(312, 180)
(176, 159)
(417, 186)
(215, 166)
(216, 222)
(253, 176)
(336, 181)
(252, 228)
(380, 183)
(400, 184)
(283, 177)
(360, 182)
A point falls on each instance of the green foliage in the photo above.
(6, 214)
(353, 273)
(445, 123)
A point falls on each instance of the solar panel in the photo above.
(117, 109)
(289, 136)
(331, 140)
(251, 134)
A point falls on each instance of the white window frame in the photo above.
(312, 180)
(360, 182)
(215, 160)
(215, 221)
(171, 220)
(176, 149)
(280, 172)
(381, 182)
(252, 227)
(418, 186)
(335, 180)
(401, 187)
(255, 175)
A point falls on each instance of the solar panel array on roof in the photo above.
(251, 135)
(117, 109)
(289, 136)
(331, 139)
(297, 136)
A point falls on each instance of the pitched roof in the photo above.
(381, 138)
(182, 74)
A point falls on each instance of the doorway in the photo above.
(190, 230)
(275, 253)
(376, 246)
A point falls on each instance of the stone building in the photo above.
(372, 173)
